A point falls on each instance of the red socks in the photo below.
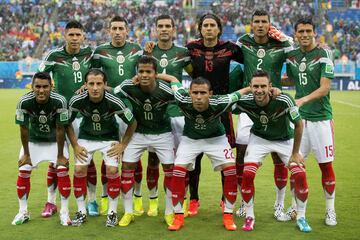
(91, 173)
(114, 185)
(64, 182)
(328, 177)
(230, 184)
(23, 183)
(79, 185)
(178, 185)
(247, 186)
(280, 175)
(152, 176)
(138, 172)
(127, 180)
(300, 184)
(51, 177)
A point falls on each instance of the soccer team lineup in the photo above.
(122, 100)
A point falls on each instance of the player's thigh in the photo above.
(283, 149)
(137, 145)
(243, 129)
(91, 147)
(76, 125)
(104, 147)
(305, 146)
(163, 145)
(40, 152)
(257, 149)
(219, 151)
(122, 125)
(322, 140)
(187, 152)
(177, 126)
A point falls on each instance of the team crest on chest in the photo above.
(261, 53)
(199, 119)
(120, 59)
(302, 67)
(264, 119)
(163, 62)
(76, 66)
(147, 105)
(95, 117)
(42, 118)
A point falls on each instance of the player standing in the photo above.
(262, 52)
(311, 68)
(98, 132)
(271, 132)
(118, 60)
(68, 65)
(42, 115)
(150, 99)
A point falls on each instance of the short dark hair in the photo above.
(201, 80)
(304, 20)
(119, 19)
(261, 73)
(41, 75)
(260, 12)
(165, 16)
(212, 16)
(147, 60)
(95, 72)
(74, 24)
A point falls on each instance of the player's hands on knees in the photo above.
(81, 89)
(62, 161)
(297, 159)
(24, 159)
(149, 46)
(275, 92)
(80, 153)
(135, 80)
(116, 150)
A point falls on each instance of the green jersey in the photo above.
(41, 119)
(271, 122)
(149, 108)
(118, 63)
(236, 79)
(68, 70)
(306, 69)
(206, 124)
(98, 122)
(268, 57)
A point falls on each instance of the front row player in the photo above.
(98, 132)
(42, 115)
(271, 132)
(203, 133)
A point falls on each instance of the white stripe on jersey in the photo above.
(24, 98)
(166, 88)
(59, 49)
(77, 97)
(115, 100)
(285, 99)
(59, 97)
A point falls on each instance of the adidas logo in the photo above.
(147, 101)
(119, 52)
(74, 59)
(42, 112)
(96, 111)
(304, 59)
(164, 55)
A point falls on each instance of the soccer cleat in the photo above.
(126, 219)
(228, 222)
(303, 225)
(177, 223)
(248, 224)
(93, 208)
(21, 218)
(153, 207)
(330, 217)
(169, 219)
(241, 211)
(138, 206)
(49, 210)
(104, 203)
(65, 219)
(112, 219)
(194, 207)
(79, 219)
(280, 215)
(291, 212)
(186, 207)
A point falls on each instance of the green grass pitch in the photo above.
(208, 224)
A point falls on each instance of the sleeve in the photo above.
(62, 112)
(21, 116)
(237, 53)
(120, 90)
(225, 102)
(73, 110)
(292, 109)
(181, 95)
(95, 59)
(124, 112)
(47, 65)
(327, 65)
(236, 79)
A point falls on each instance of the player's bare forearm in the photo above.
(245, 90)
(60, 139)
(323, 90)
(24, 135)
(71, 135)
(128, 133)
(167, 78)
(297, 136)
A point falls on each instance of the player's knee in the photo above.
(80, 170)
(168, 166)
(128, 166)
(111, 170)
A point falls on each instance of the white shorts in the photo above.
(44, 151)
(162, 145)
(76, 125)
(318, 137)
(217, 149)
(92, 146)
(244, 125)
(258, 148)
(122, 125)
(177, 126)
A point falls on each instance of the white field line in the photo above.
(347, 103)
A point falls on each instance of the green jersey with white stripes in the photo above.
(306, 69)
(41, 119)
(268, 57)
(271, 122)
(68, 70)
(149, 108)
(98, 122)
(206, 124)
(118, 63)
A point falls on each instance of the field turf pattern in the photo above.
(208, 224)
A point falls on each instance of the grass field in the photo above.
(208, 224)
